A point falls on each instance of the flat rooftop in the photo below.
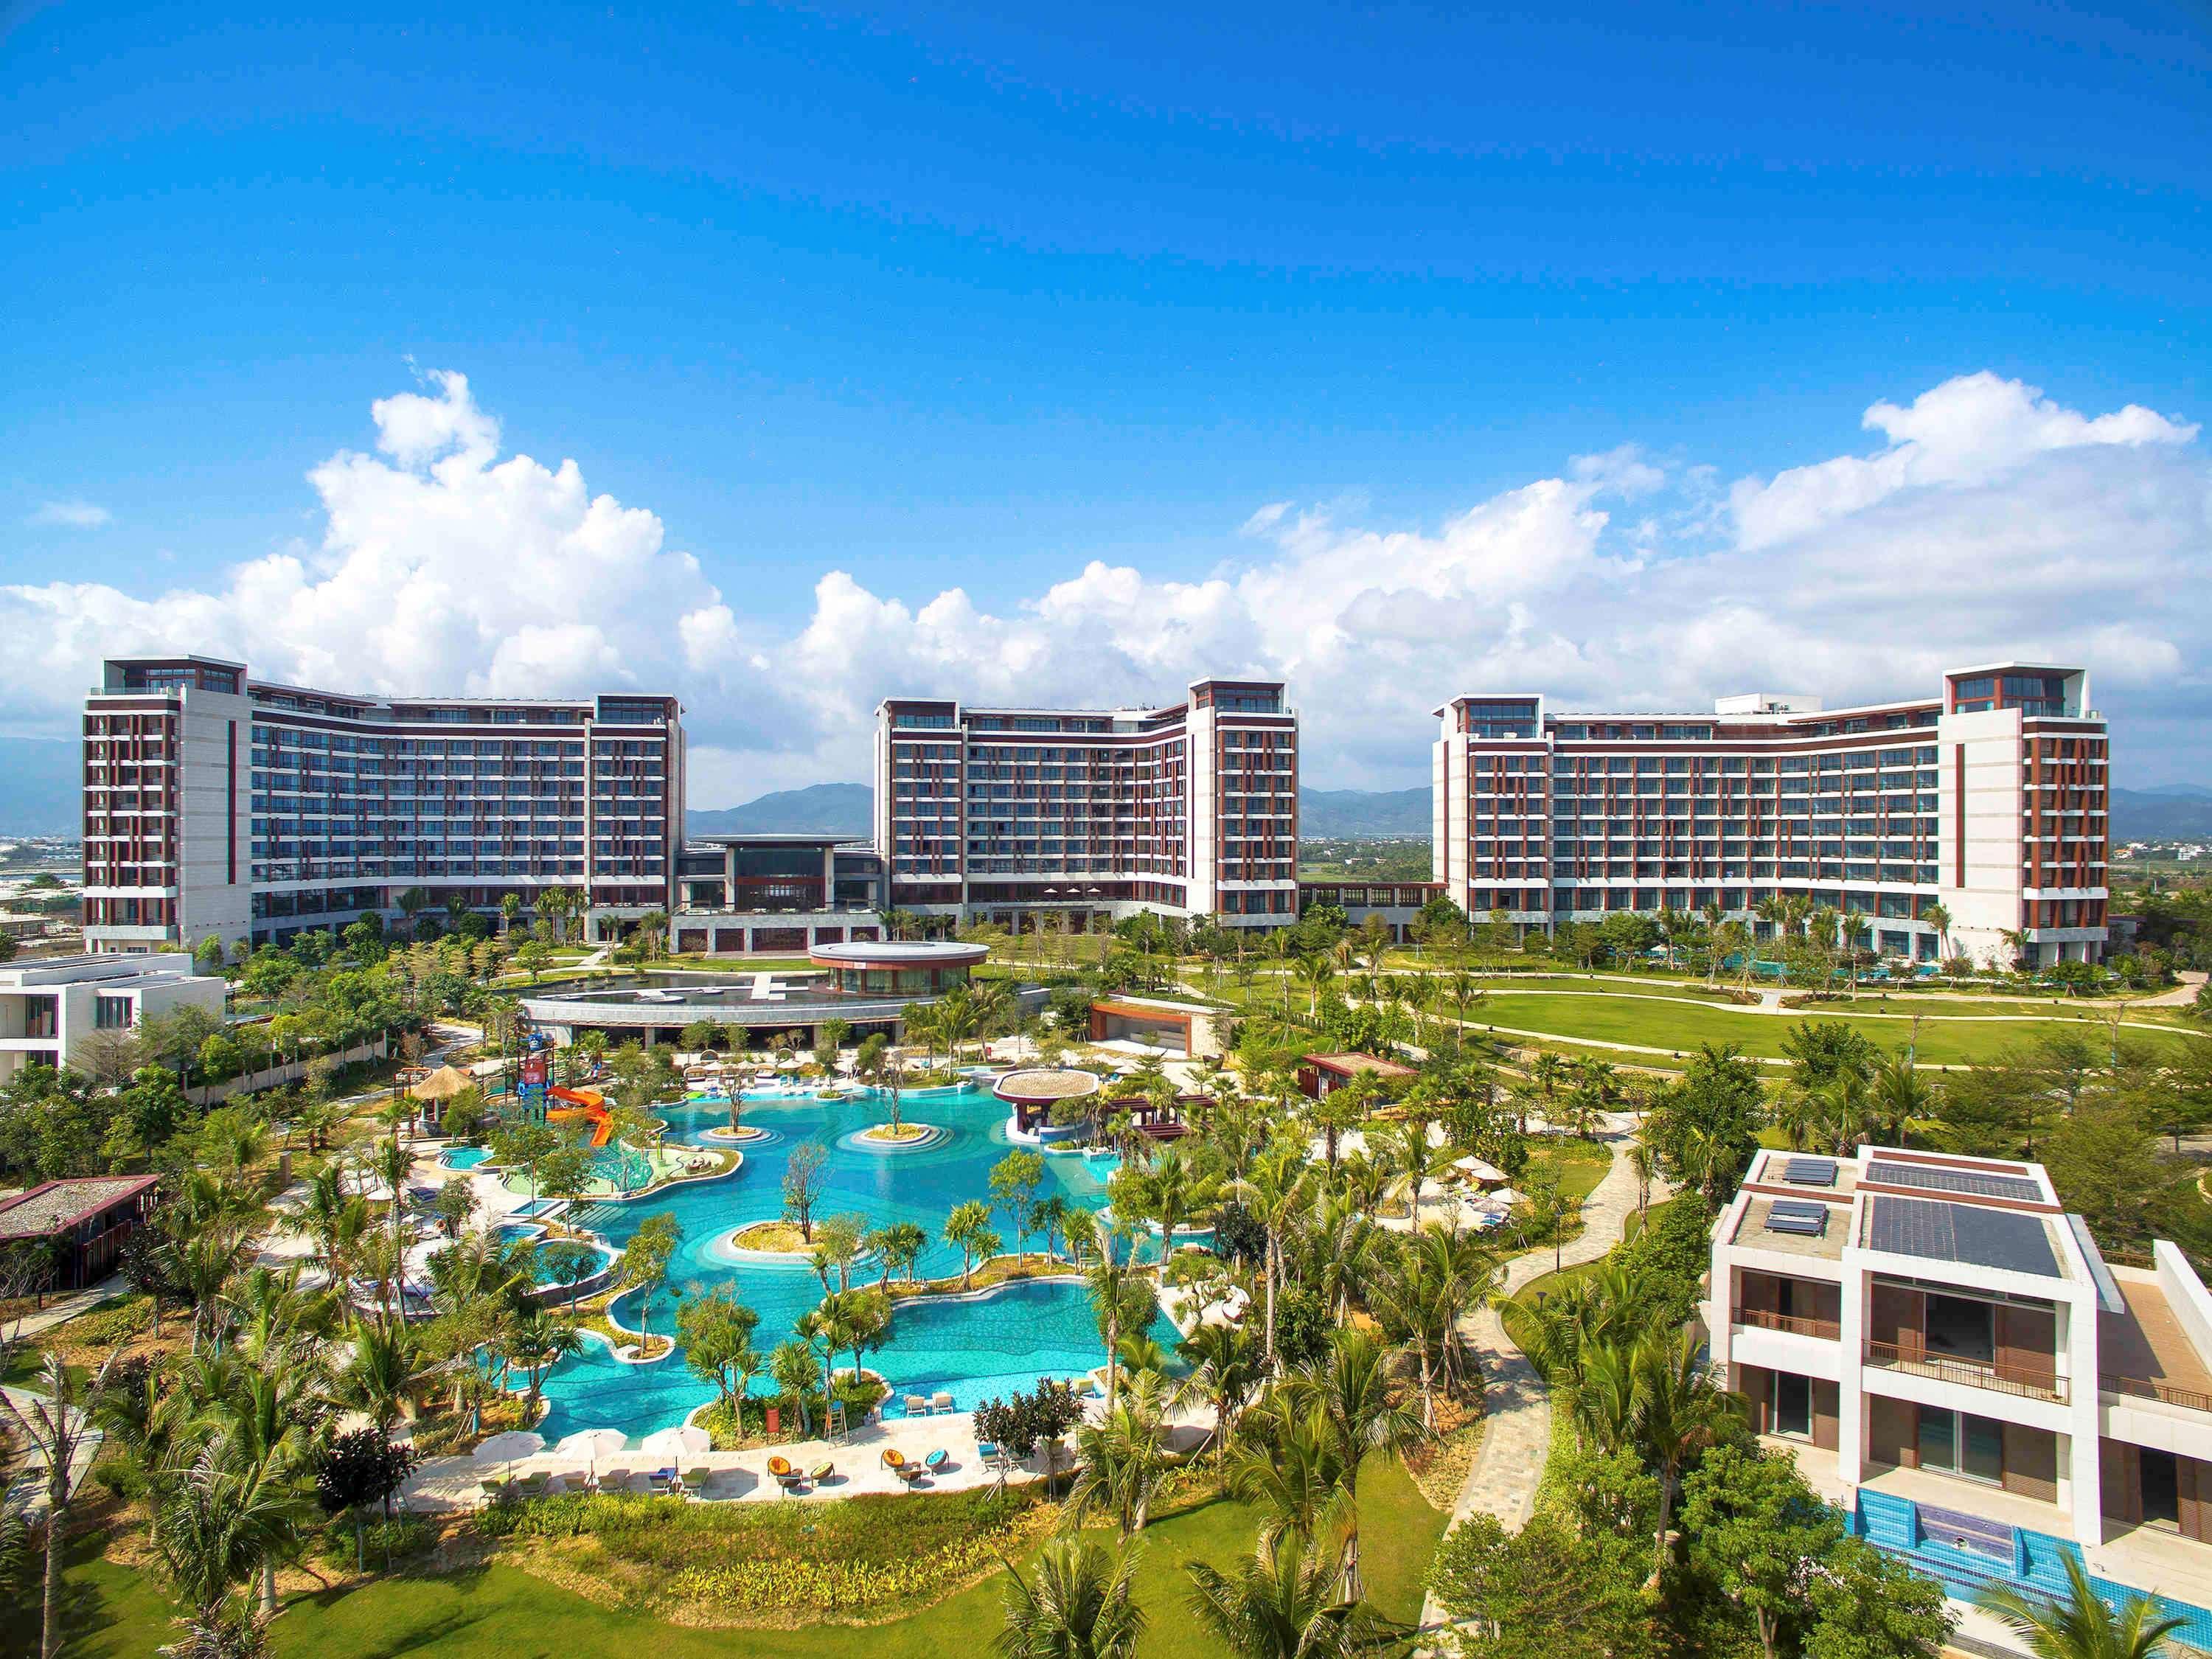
(1753, 1233)
(2145, 1342)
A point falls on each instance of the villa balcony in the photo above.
(2023, 1382)
(1828, 1330)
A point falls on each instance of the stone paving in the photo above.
(1516, 1432)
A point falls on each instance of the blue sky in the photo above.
(972, 299)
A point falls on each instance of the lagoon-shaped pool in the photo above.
(973, 1348)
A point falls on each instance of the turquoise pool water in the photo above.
(972, 1347)
(463, 1157)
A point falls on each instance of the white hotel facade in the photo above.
(1989, 797)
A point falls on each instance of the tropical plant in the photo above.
(1290, 1601)
(2082, 1625)
(1080, 1604)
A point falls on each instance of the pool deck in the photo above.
(448, 1485)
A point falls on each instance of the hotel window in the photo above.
(1793, 1405)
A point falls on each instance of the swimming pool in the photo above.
(463, 1157)
(973, 1348)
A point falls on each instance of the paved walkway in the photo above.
(1516, 1421)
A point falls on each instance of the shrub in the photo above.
(116, 1320)
(397, 1540)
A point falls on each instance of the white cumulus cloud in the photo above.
(1993, 521)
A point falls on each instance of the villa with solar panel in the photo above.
(1959, 1370)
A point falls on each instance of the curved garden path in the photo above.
(1516, 1420)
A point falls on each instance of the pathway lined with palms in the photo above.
(1516, 1422)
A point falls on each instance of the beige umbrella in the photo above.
(676, 1444)
(1475, 1170)
(442, 1085)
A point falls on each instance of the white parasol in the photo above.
(592, 1444)
(1476, 1169)
(506, 1446)
(676, 1444)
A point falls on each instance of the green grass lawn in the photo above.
(1581, 1163)
(118, 1613)
(1677, 1024)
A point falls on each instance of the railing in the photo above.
(2030, 1383)
(2194, 1400)
(1828, 1330)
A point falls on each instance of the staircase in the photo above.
(592, 1218)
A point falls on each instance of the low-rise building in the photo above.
(83, 1223)
(776, 894)
(1955, 1363)
(52, 1006)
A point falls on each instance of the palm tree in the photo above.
(1080, 1605)
(55, 1421)
(1114, 1281)
(1900, 1098)
(1289, 1601)
(214, 1523)
(1121, 1459)
(1438, 1278)
(1937, 915)
(537, 1342)
(1643, 1163)
(2083, 1625)
(1170, 1192)
(1681, 1408)
(1276, 1189)
(1226, 1369)
(411, 904)
(1349, 1392)
(1314, 970)
(387, 1369)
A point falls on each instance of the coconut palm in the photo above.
(2082, 1625)
(1679, 1409)
(1227, 1368)
(1900, 1098)
(1276, 1189)
(1289, 1601)
(1938, 916)
(1080, 1604)
(1437, 1279)
(1120, 1460)
(1349, 1392)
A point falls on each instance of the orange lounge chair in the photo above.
(785, 1476)
(896, 1461)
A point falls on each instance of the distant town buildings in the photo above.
(1988, 798)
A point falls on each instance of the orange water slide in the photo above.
(587, 1104)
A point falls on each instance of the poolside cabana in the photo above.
(1033, 1093)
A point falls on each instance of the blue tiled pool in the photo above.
(463, 1157)
(972, 1347)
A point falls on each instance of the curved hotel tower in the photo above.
(216, 805)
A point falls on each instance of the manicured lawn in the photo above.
(1581, 1163)
(1674, 1023)
(503, 1613)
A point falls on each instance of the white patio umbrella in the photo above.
(676, 1444)
(1475, 1169)
(1505, 1196)
(592, 1444)
(505, 1448)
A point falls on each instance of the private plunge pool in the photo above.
(975, 1347)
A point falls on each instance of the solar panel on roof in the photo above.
(1972, 1184)
(1810, 1172)
(1787, 1215)
(1962, 1232)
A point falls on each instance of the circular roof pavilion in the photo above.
(1033, 1093)
(897, 967)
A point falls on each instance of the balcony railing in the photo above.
(2028, 1382)
(2194, 1400)
(1828, 1330)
